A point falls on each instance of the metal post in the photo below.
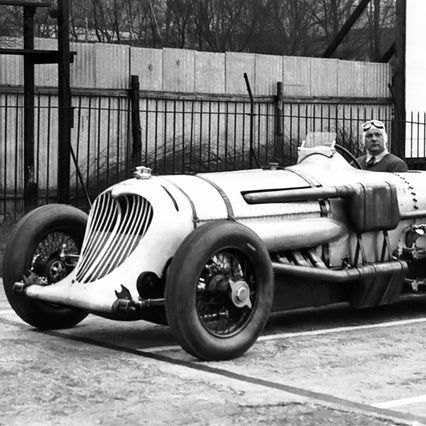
(279, 131)
(64, 101)
(398, 82)
(136, 122)
(252, 153)
(376, 30)
(30, 185)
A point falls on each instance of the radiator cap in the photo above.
(142, 172)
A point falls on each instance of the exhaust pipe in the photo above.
(342, 275)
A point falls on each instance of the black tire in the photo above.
(33, 244)
(200, 309)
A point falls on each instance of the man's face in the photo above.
(374, 141)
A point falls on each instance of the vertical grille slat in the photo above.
(132, 231)
(105, 215)
(115, 228)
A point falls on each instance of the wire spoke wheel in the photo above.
(46, 243)
(47, 261)
(215, 306)
(219, 291)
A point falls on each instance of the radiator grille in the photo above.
(115, 228)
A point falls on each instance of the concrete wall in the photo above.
(109, 66)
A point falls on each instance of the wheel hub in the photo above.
(218, 283)
(56, 271)
(240, 293)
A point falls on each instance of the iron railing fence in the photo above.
(178, 134)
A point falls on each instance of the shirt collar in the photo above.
(378, 157)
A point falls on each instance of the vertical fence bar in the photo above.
(146, 131)
(209, 139)
(49, 123)
(191, 138)
(89, 133)
(17, 152)
(165, 138)
(117, 169)
(37, 162)
(135, 120)
(278, 114)
(258, 115)
(424, 134)
(200, 153)
(98, 142)
(218, 137)
(77, 150)
(107, 173)
(5, 170)
(156, 135)
(418, 132)
(243, 126)
(234, 148)
(185, 146)
(290, 138)
(226, 133)
(413, 144)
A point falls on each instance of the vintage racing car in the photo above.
(212, 254)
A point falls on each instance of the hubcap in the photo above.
(240, 293)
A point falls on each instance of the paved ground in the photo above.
(324, 367)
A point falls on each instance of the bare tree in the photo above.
(221, 25)
(302, 27)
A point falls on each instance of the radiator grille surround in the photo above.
(115, 228)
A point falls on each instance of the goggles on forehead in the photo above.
(369, 124)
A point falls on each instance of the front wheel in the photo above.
(219, 291)
(37, 244)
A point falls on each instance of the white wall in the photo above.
(179, 70)
(416, 57)
(415, 88)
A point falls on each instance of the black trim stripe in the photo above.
(225, 198)
(195, 218)
(171, 196)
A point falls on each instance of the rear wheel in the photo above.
(219, 291)
(45, 242)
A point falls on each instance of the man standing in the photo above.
(378, 158)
